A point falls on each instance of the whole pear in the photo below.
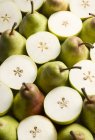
(74, 132)
(32, 23)
(8, 128)
(11, 43)
(52, 6)
(73, 50)
(88, 31)
(29, 101)
(51, 75)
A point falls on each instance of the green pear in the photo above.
(29, 101)
(87, 33)
(11, 42)
(32, 23)
(52, 6)
(8, 128)
(73, 50)
(75, 132)
(88, 112)
(51, 75)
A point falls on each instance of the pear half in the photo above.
(25, 5)
(36, 127)
(9, 13)
(82, 8)
(16, 70)
(63, 105)
(84, 77)
(64, 24)
(43, 47)
(92, 53)
(6, 98)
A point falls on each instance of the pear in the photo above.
(66, 105)
(92, 53)
(29, 101)
(88, 29)
(62, 26)
(51, 75)
(43, 47)
(51, 6)
(25, 5)
(82, 8)
(8, 128)
(11, 43)
(36, 127)
(75, 131)
(9, 13)
(32, 23)
(73, 50)
(16, 70)
(88, 111)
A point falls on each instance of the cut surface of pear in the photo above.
(92, 53)
(84, 77)
(80, 133)
(82, 8)
(8, 128)
(17, 69)
(63, 105)
(25, 5)
(43, 47)
(36, 127)
(6, 98)
(9, 13)
(64, 24)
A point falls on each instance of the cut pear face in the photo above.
(82, 8)
(43, 47)
(63, 105)
(6, 98)
(84, 77)
(36, 127)
(16, 70)
(25, 5)
(92, 53)
(9, 14)
(64, 24)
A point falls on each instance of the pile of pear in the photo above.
(75, 53)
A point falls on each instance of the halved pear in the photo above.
(84, 77)
(6, 99)
(64, 24)
(36, 127)
(82, 8)
(25, 5)
(9, 13)
(92, 53)
(43, 47)
(63, 105)
(17, 69)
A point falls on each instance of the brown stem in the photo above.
(32, 7)
(26, 87)
(88, 45)
(86, 96)
(13, 28)
(73, 135)
(75, 67)
(91, 14)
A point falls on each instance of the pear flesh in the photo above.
(29, 101)
(36, 127)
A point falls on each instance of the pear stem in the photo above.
(88, 45)
(26, 86)
(75, 67)
(73, 135)
(86, 96)
(13, 28)
(32, 7)
(91, 14)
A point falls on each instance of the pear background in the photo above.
(85, 35)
